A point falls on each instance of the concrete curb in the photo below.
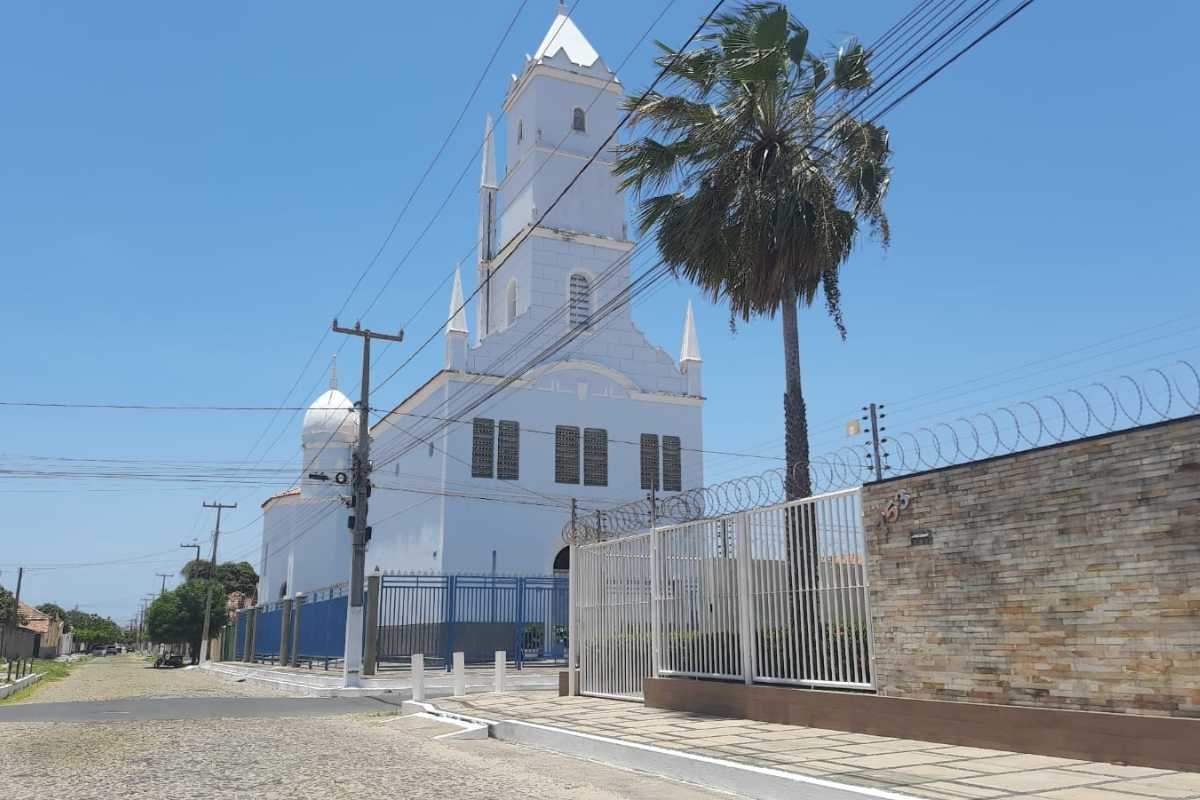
(17, 685)
(467, 730)
(711, 773)
(322, 687)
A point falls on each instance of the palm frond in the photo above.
(753, 194)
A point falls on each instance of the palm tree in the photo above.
(755, 176)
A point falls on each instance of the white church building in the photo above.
(468, 479)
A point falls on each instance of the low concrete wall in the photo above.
(9, 688)
(1162, 742)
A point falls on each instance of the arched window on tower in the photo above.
(581, 300)
(579, 120)
(520, 131)
(511, 305)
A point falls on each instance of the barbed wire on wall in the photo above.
(1154, 395)
(1127, 401)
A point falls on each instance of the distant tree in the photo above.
(177, 616)
(93, 628)
(8, 609)
(198, 569)
(238, 576)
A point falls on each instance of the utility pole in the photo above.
(17, 599)
(143, 629)
(17, 606)
(204, 641)
(195, 545)
(873, 416)
(359, 500)
(164, 576)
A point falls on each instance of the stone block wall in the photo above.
(1062, 577)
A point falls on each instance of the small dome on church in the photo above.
(330, 419)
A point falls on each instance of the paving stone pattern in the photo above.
(920, 769)
(1063, 577)
(113, 677)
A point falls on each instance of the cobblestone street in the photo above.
(371, 755)
(113, 677)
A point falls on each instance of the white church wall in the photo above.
(525, 535)
(407, 525)
(300, 538)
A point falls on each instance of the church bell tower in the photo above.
(557, 113)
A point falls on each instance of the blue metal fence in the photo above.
(438, 615)
(321, 632)
(266, 630)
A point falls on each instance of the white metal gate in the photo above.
(774, 595)
(610, 585)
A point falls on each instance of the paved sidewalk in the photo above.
(920, 769)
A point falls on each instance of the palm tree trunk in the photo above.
(795, 415)
(801, 521)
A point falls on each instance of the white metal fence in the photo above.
(774, 595)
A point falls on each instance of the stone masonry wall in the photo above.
(1062, 577)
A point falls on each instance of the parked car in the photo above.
(112, 650)
(99, 650)
(168, 660)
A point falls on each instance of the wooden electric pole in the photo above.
(359, 501)
(205, 644)
(16, 623)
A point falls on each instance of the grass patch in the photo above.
(54, 671)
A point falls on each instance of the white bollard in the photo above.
(418, 677)
(501, 660)
(460, 675)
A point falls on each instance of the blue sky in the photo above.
(187, 194)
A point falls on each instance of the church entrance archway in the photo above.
(562, 561)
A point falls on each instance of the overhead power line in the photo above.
(387, 238)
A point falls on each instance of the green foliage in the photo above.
(755, 190)
(8, 609)
(177, 616)
(198, 569)
(236, 576)
(93, 628)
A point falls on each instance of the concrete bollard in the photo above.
(501, 659)
(460, 675)
(418, 677)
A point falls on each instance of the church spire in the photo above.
(458, 315)
(487, 175)
(333, 373)
(565, 37)
(690, 349)
(689, 355)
